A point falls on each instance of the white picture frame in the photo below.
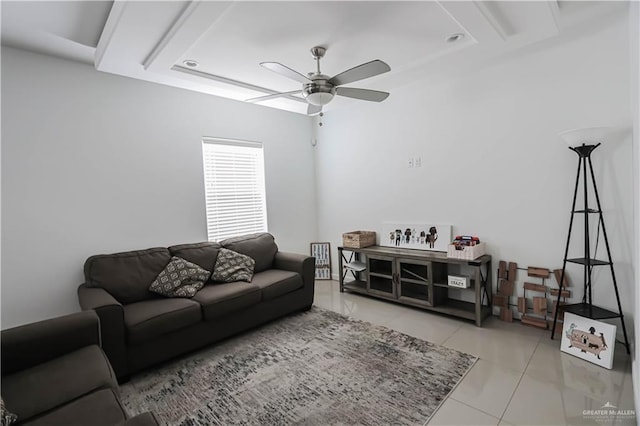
(418, 236)
(588, 339)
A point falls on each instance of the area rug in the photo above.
(313, 368)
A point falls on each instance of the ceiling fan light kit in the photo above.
(318, 92)
(319, 89)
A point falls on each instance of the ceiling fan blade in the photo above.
(363, 94)
(285, 71)
(275, 95)
(360, 72)
(314, 109)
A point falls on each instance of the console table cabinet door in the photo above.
(414, 282)
(381, 272)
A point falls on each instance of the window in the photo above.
(234, 188)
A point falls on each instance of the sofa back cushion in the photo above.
(128, 275)
(202, 254)
(261, 247)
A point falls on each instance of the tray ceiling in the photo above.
(153, 40)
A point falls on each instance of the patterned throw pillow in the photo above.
(6, 417)
(232, 266)
(179, 278)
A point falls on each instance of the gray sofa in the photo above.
(54, 373)
(140, 328)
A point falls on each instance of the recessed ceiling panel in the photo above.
(69, 29)
(151, 40)
(248, 33)
(522, 17)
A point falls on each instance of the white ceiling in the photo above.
(150, 40)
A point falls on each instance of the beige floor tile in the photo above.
(487, 387)
(425, 325)
(550, 364)
(357, 306)
(546, 339)
(555, 388)
(452, 412)
(515, 327)
(537, 402)
(509, 349)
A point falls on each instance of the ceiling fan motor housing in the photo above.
(319, 91)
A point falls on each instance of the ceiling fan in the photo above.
(319, 89)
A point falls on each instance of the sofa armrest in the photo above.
(144, 419)
(32, 344)
(300, 263)
(112, 327)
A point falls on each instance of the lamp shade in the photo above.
(587, 136)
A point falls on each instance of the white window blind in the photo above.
(234, 188)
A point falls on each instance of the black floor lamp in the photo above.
(583, 142)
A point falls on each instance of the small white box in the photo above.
(467, 252)
(458, 281)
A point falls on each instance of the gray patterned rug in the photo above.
(313, 368)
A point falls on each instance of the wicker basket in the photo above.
(359, 239)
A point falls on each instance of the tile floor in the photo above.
(521, 377)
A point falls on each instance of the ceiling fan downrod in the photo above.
(318, 53)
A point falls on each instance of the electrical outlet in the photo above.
(418, 162)
(411, 163)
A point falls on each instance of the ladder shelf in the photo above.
(587, 308)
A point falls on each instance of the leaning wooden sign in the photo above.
(591, 340)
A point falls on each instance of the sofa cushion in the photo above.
(180, 278)
(221, 299)
(152, 318)
(6, 417)
(232, 266)
(275, 282)
(99, 408)
(41, 388)
(260, 247)
(202, 254)
(126, 276)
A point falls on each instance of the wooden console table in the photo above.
(418, 278)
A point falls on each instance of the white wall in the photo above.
(492, 163)
(634, 52)
(96, 163)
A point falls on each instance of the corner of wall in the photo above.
(634, 53)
